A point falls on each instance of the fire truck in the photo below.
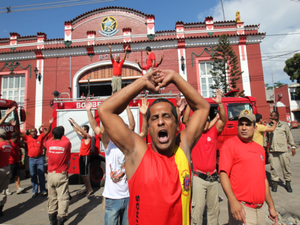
(63, 109)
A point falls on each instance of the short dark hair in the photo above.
(58, 132)
(174, 112)
(276, 112)
(86, 127)
(258, 117)
(63, 129)
(148, 49)
(14, 135)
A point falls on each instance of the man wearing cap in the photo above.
(243, 176)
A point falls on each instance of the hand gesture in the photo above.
(162, 56)
(51, 120)
(88, 104)
(137, 61)
(144, 107)
(150, 77)
(13, 122)
(165, 77)
(218, 98)
(8, 111)
(273, 215)
(71, 121)
(238, 211)
(178, 101)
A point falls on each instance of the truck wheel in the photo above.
(97, 172)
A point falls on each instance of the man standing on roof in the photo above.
(243, 175)
(151, 62)
(84, 152)
(158, 175)
(116, 82)
(205, 179)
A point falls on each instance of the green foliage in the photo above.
(277, 84)
(225, 62)
(292, 67)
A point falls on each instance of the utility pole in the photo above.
(273, 93)
(223, 9)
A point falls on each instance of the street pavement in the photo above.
(22, 209)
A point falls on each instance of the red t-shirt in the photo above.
(244, 164)
(5, 150)
(58, 155)
(117, 67)
(151, 57)
(181, 127)
(204, 153)
(35, 146)
(85, 148)
(160, 190)
(14, 155)
(64, 138)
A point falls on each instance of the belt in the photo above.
(36, 157)
(62, 172)
(117, 75)
(253, 206)
(213, 177)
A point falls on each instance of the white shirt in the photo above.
(116, 186)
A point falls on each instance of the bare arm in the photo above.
(138, 64)
(186, 116)
(125, 53)
(49, 128)
(7, 112)
(273, 214)
(272, 128)
(153, 64)
(41, 129)
(130, 119)
(104, 137)
(17, 129)
(93, 123)
(222, 121)
(78, 129)
(143, 111)
(110, 55)
(236, 207)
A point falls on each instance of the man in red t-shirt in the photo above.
(84, 152)
(243, 175)
(36, 158)
(205, 179)
(116, 82)
(5, 150)
(58, 152)
(14, 162)
(151, 62)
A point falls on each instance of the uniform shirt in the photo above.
(204, 154)
(14, 155)
(160, 190)
(244, 164)
(35, 146)
(279, 137)
(117, 67)
(151, 57)
(85, 148)
(58, 155)
(258, 136)
(5, 150)
(116, 186)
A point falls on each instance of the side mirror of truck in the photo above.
(22, 114)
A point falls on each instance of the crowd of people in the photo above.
(169, 181)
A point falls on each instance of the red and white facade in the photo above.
(65, 64)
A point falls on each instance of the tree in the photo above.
(292, 67)
(225, 62)
(277, 84)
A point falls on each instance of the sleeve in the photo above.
(289, 136)
(261, 128)
(25, 137)
(226, 158)
(42, 136)
(152, 57)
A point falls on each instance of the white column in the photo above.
(39, 95)
(245, 68)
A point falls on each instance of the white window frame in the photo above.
(12, 92)
(205, 89)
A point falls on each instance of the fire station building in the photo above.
(33, 67)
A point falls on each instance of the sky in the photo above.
(278, 18)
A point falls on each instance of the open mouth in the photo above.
(163, 136)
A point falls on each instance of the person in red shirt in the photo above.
(116, 82)
(84, 152)
(159, 174)
(5, 150)
(14, 162)
(243, 175)
(36, 158)
(151, 62)
(58, 151)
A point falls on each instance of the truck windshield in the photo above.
(234, 110)
(12, 116)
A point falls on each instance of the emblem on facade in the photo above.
(108, 26)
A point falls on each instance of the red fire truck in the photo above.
(63, 109)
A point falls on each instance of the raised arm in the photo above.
(125, 54)
(143, 111)
(130, 118)
(137, 61)
(110, 55)
(213, 121)
(7, 112)
(41, 128)
(78, 129)
(104, 136)
(186, 115)
(188, 137)
(272, 128)
(93, 123)
(49, 128)
(180, 105)
(222, 121)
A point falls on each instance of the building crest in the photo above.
(108, 26)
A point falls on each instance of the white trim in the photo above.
(245, 68)
(183, 74)
(39, 95)
(75, 86)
